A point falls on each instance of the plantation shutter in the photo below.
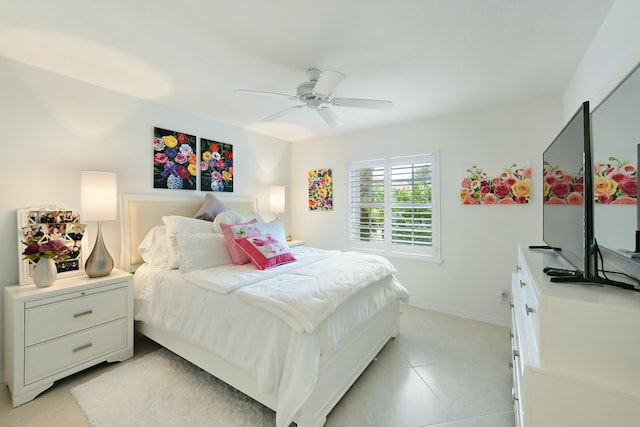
(391, 205)
(367, 201)
(410, 204)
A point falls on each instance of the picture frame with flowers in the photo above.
(216, 166)
(495, 184)
(320, 183)
(175, 162)
(50, 232)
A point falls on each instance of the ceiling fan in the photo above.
(316, 95)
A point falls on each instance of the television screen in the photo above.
(568, 194)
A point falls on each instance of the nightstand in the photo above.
(50, 333)
(293, 243)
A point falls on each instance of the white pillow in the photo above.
(227, 217)
(153, 247)
(197, 251)
(276, 229)
(181, 224)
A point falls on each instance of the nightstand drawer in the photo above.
(59, 318)
(51, 357)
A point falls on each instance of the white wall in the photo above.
(479, 243)
(53, 127)
(613, 53)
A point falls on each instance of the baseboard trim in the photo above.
(494, 320)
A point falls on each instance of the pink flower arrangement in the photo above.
(37, 248)
(512, 186)
(615, 182)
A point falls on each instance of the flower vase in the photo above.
(45, 272)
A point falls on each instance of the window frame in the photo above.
(383, 245)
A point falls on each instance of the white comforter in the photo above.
(228, 278)
(305, 293)
(280, 346)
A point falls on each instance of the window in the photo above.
(393, 206)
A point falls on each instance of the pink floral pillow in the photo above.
(233, 231)
(265, 251)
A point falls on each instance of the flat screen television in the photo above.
(568, 195)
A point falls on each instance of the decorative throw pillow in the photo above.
(211, 206)
(182, 224)
(233, 231)
(197, 251)
(265, 251)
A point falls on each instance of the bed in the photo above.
(299, 366)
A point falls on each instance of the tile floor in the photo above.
(441, 371)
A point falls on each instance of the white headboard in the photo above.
(141, 212)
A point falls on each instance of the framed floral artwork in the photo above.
(216, 166)
(494, 184)
(174, 160)
(320, 190)
(50, 232)
(615, 182)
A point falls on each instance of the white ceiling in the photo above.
(430, 57)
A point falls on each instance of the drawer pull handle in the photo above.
(523, 284)
(518, 268)
(529, 310)
(510, 364)
(82, 347)
(84, 313)
(516, 353)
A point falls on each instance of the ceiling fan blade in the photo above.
(377, 104)
(257, 92)
(330, 117)
(282, 113)
(327, 82)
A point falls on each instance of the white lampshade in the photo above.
(276, 199)
(98, 196)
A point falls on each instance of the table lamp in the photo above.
(276, 199)
(98, 202)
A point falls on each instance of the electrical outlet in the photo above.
(504, 296)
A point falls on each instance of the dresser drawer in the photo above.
(527, 304)
(49, 321)
(51, 357)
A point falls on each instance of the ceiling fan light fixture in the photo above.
(315, 94)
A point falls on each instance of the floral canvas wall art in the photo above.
(174, 160)
(216, 166)
(615, 182)
(496, 185)
(320, 190)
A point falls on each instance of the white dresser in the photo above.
(576, 350)
(53, 332)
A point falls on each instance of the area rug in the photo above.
(162, 389)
